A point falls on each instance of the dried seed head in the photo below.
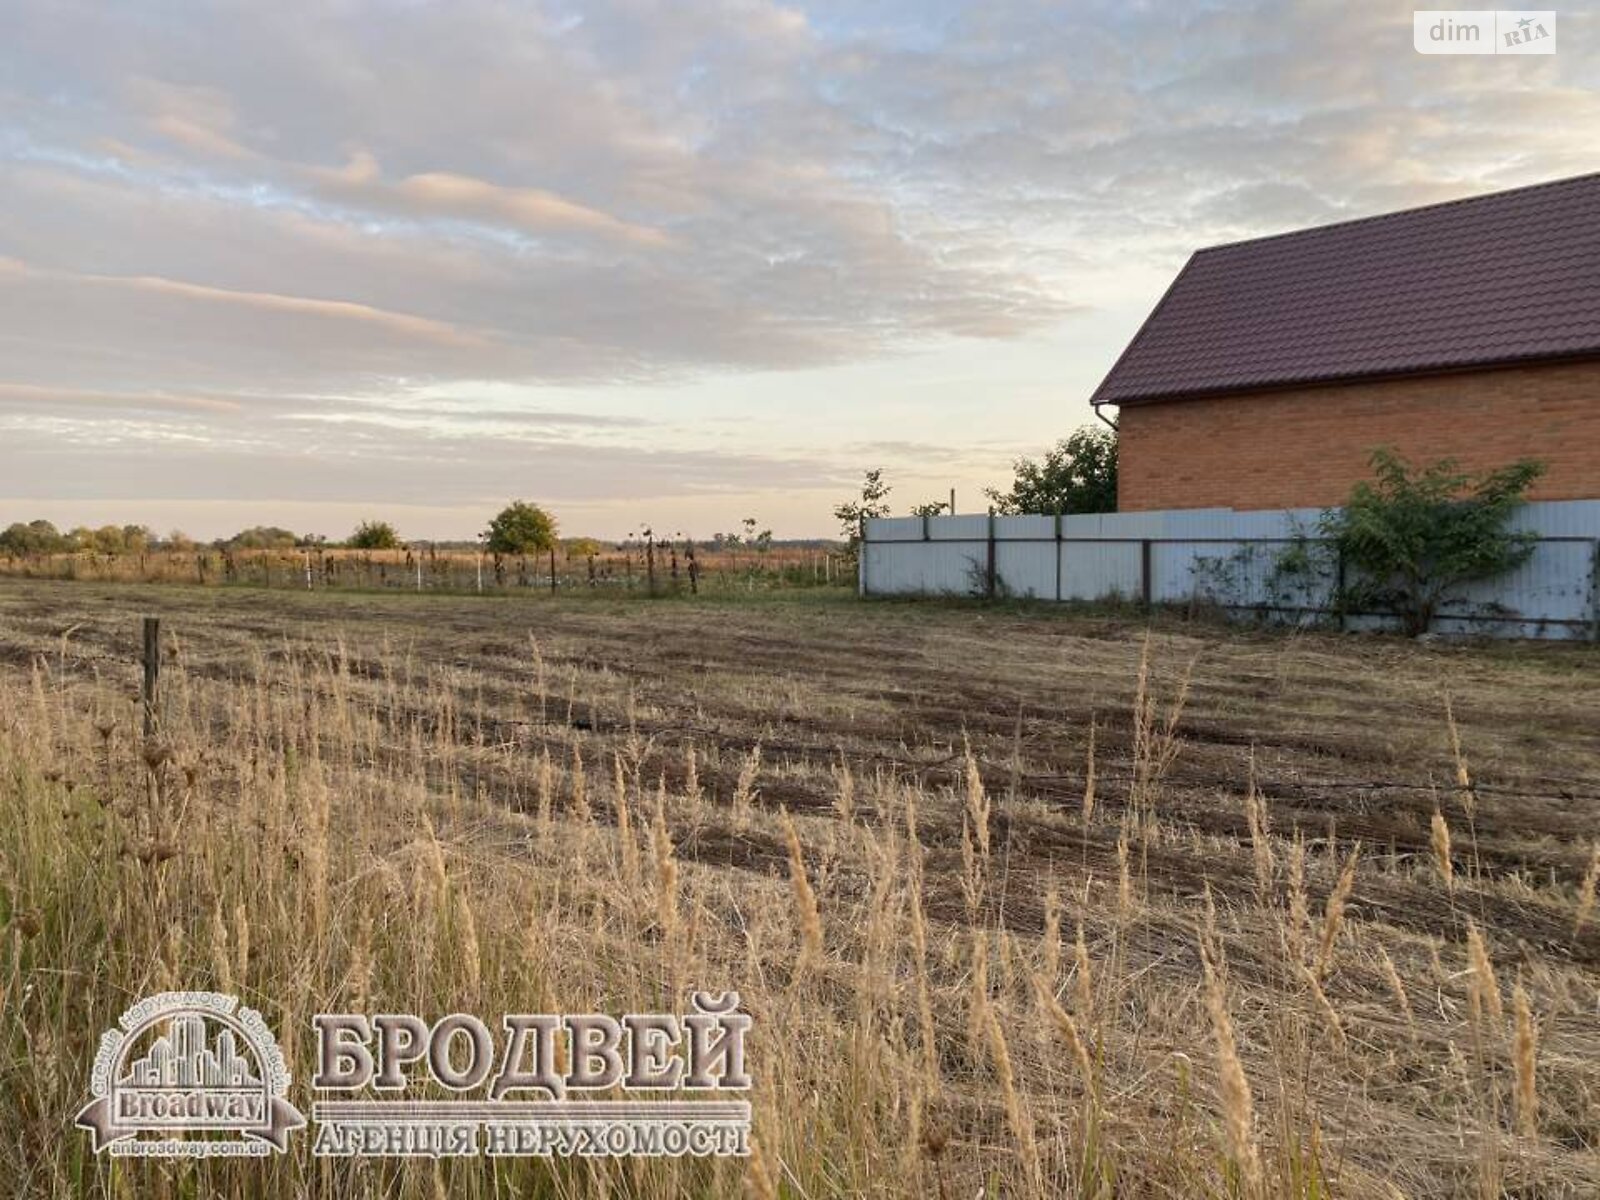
(805, 900)
(1237, 1106)
(1333, 916)
(1586, 891)
(1440, 841)
(1485, 990)
(1525, 1052)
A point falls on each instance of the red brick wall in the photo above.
(1302, 447)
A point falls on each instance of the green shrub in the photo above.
(1413, 536)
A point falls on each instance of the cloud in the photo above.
(347, 212)
(445, 194)
(25, 397)
(198, 119)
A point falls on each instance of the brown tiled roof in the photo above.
(1494, 279)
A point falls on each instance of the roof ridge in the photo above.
(1398, 212)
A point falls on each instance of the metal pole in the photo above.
(1058, 557)
(989, 575)
(1594, 591)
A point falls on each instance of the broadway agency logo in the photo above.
(183, 1072)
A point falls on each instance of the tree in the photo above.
(931, 509)
(582, 547)
(36, 537)
(521, 528)
(873, 503)
(761, 541)
(1412, 537)
(261, 537)
(374, 535)
(1077, 475)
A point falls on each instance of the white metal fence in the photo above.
(1269, 563)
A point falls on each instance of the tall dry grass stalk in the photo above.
(1017, 1115)
(844, 790)
(1259, 824)
(1586, 892)
(1333, 915)
(975, 831)
(1464, 788)
(1439, 840)
(1089, 778)
(1397, 987)
(356, 836)
(807, 917)
(1524, 1057)
(1238, 1107)
(1485, 988)
(1297, 921)
(1051, 941)
(744, 787)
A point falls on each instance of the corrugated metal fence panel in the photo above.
(1024, 528)
(1103, 570)
(1556, 584)
(1247, 574)
(894, 529)
(925, 568)
(1026, 569)
(1560, 518)
(1228, 557)
(958, 529)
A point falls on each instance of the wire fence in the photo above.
(653, 569)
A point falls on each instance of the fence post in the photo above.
(553, 573)
(1145, 588)
(1338, 576)
(1058, 556)
(1594, 593)
(861, 556)
(152, 673)
(989, 577)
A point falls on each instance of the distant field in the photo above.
(662, 569)
(1229, 951)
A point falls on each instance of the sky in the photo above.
(659, 262)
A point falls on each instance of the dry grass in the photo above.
(875, 822)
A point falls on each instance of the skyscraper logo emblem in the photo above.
(183, 1069)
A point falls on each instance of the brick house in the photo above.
(1272, 367)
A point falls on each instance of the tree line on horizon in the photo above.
(520, 528)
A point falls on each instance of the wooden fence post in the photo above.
(152, 673)
(552, 570)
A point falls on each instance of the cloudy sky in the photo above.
(665, 261)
